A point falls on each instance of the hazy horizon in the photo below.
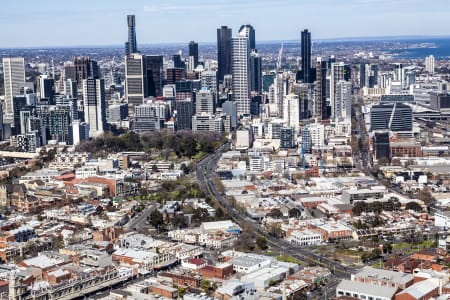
(73, 23)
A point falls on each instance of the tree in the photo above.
(179, 221)
(200, 215)
(154, 169)
(155, 218)
(383, 161)
(294, 213)
(275, 213)
(425, 196)
(205, 285)
(413, 206)
(275, 230)
(184, 168)
(261, 242)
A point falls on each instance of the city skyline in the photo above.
(101, 23)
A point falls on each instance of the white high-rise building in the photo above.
(343, 101)
(14, 78)
(135, 89)
(430, 64)
(240, 69)
(94, 105)
(291, 111)
(337, 74)
(205, 102)
(209, 80)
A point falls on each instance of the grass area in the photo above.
(349, 252)
(289, 259)
(409, 248)
(401, 246)
(378, 265)
(199, 155)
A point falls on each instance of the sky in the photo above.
(31, 23)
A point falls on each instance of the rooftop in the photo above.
(367, 289)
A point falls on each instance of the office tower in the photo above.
(381, 141)
(209, 80)
(135, 79)
(94, 105)
(287, 138)
(19, 102)
(117, 112)
(84, 69)
(249, 32)
(57, 119)
(291, 111)
(46, 87)
(399, 74)
(362, 75)
(174, 75)
(240, 74)
(154, 68)
(255, 105)
(230, 108)
(151, 116)
(321, 111)
(440, 101)
(169, 93)
(70, 88)
(184, 114)
(306, 56)
(205, 102)
(223, 52)
(69, 71)
(78, 132)
(337, 74)
(193, 52)
(430, 64)
(13, 77)
(343, 101)
(207, 122)
(131, 45)
(255, 72)
(306, 140)
(177, 62)
(184, 89)
(395, 117)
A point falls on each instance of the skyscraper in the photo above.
(223, 52)
(205, 102)
(13, 77)
(429, 64)
(94, 105)
(154, 67)
(131, 45)
(306, 56)
(249, 32)
(255, 72)
(193, 52)
(343, 101)
(135, 79)
(337, 74)
(321, 111)
(291, 111)
(85, 68)
(240, 74)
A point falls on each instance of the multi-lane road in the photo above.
(205, 174)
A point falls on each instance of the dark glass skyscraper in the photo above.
(131, 45)
(249, 32)
(223, 52)
(306, 56)
(193, 51)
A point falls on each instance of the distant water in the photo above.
(439, 47)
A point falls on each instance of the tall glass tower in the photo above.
(223, 52)
(306, 56)
(131, 45)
